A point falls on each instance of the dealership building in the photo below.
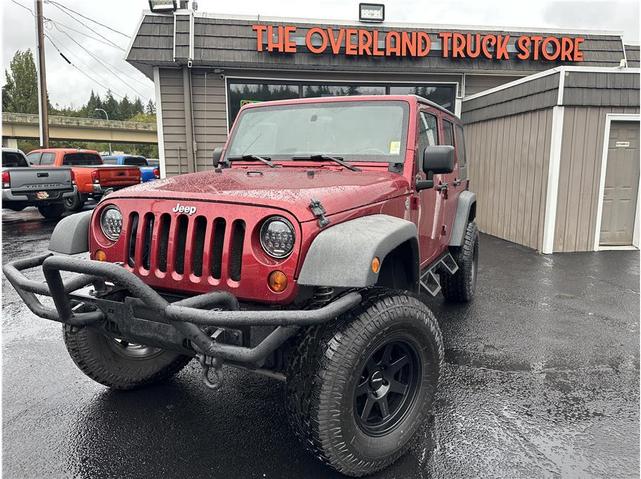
(551, 117)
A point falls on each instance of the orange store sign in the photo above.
(366, 42)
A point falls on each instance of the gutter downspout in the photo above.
(189, 121)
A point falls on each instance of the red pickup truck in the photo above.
(93, 178)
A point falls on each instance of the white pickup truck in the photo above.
(42, 187)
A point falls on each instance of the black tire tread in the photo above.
(86, 359)
(53, 211)
(458, 287)
(311, 367)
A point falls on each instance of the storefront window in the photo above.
(310, 91)
(443, 95)
(250, 91)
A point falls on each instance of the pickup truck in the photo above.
(44, 188)
(147, 171)
(93, 179)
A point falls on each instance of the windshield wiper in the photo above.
(335, 159)
(262, 159)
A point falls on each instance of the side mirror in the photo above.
(218, 152)
(438, 159)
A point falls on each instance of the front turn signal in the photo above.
(277, 281)
(376, 264)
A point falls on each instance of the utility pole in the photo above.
(42, 77)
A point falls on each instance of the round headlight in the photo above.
(277, 237)
(111, 222)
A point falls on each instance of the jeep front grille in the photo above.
(189, 246)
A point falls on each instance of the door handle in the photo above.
(441, 187)
(456, 182)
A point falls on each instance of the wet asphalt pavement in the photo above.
(541, 380)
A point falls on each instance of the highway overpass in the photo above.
(24, 125)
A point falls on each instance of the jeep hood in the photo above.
(288, 188)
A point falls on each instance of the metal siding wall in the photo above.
(508, 161)
(210, 115)
(173, 118)
(581, 153)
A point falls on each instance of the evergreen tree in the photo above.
(151, 108)
(124, 109)
(20, 94)
(137, 107)
(110, 105)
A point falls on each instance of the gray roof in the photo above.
(581, 87)
(231, 43)
(632, 54)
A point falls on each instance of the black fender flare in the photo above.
(341, 255)
(71, 234)
(466, 203)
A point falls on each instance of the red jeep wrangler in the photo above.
(301, 256)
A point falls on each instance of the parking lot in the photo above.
(541, 380)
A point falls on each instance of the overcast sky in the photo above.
(68, 87)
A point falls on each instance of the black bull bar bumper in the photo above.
(143, 315)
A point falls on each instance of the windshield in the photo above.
(352, 130)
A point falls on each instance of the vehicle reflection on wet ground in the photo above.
(541, 379)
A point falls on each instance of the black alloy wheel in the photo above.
(387, 387)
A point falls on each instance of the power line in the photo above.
(59, 5)
(103, 63)
(84, 24)
(109, 44)
(81, 71)
(22, 6)
(86, 67)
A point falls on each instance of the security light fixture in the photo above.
(371, 12)
(163, 6)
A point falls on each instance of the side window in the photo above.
(460, 146)
(47, 158)
(34, 158)
(427, 132)
(448, 133)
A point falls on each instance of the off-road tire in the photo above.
(325, 368)
(73, 203)
(460, 286)
(97, 359)
(52, 212)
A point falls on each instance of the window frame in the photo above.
(421, 151)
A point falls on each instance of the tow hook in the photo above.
(212, 371)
